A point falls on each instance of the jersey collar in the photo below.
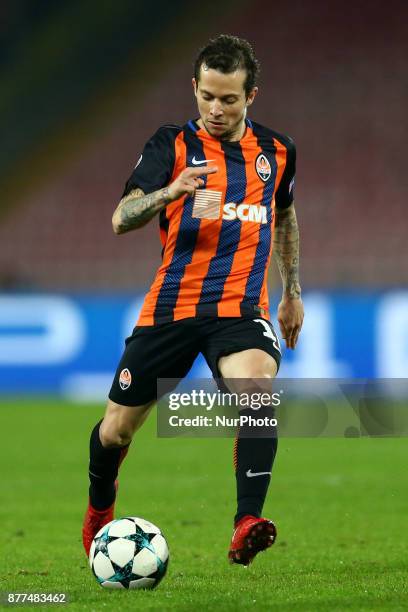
(193, 125)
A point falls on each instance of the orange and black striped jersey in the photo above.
(216, 245)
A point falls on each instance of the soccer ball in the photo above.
(129, 553)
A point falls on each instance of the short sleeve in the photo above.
(155, 165)
(285, 192)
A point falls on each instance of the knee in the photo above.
(261, 372)
(258, 378)
(257, 383)
(114, 435)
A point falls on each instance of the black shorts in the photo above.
(168, 350)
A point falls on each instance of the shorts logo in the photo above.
(263, 167)
(269, 332)
(125, 379)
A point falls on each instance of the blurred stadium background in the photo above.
(84, 84)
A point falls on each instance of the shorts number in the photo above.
(269, 332)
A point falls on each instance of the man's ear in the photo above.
(251, 96)
(194, 82)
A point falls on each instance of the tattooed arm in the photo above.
(286, 253)
(136, 209)
(286, 250)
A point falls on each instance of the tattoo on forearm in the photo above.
(286, 250)
(136, 209)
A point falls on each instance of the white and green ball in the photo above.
(129, 553)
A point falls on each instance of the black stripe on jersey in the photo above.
(256, 276)
(221, 263)
(284, 198)
(164, 225)
(155, 166)
(185, 242)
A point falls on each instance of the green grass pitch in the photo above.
(340, 505)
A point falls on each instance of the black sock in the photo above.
(103, 470)
(254, 452)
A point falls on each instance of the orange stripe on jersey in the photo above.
(173, 215)
(207, 240)
(281, 153)
(234, 288)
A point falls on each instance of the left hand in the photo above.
(290, 318)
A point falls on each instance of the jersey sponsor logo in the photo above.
(198, 162)
(125, 379)
(263, 167)
(245, 212)
(207, 205)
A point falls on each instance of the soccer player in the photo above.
(222, 189)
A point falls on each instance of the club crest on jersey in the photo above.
(125, 379)
(263, 167)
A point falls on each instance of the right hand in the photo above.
(188, 181)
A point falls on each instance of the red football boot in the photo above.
(251, 536)
(93, 521)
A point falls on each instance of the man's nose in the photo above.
(216, 108)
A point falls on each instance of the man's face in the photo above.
(222, 102)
